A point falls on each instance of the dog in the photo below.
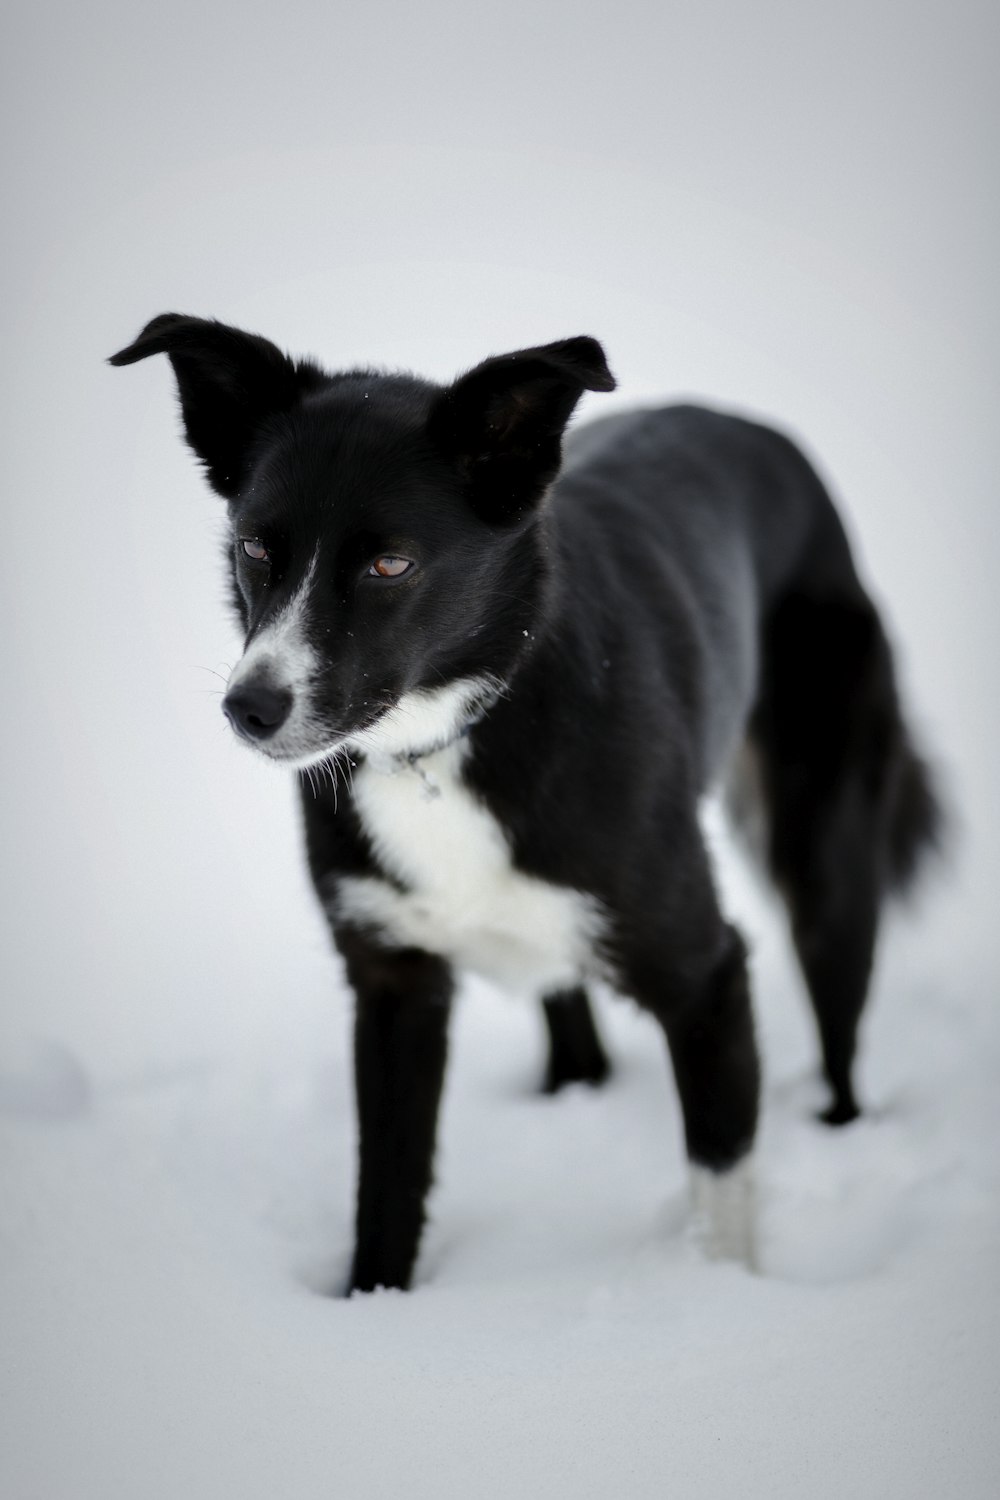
(507, 664)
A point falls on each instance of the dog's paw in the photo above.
(724, 1213)
(840, 1112)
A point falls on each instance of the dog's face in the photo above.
(364, 577)
(386, 551)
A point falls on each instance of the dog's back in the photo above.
(780, 630)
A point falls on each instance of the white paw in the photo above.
(724, 1213)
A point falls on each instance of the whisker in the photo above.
(229, 672)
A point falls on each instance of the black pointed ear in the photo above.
(229, 382)
(502, 423)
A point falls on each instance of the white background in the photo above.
(783, 207)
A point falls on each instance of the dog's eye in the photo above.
(255, 550)
(389, 567)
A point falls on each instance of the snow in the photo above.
(176, 1134)
(172, 1239)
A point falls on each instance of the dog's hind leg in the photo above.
(576, 1053)
(832, 892)
(834, 760)
(400, 1050)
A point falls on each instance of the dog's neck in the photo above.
(425, 723)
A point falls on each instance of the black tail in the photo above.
(852, 810)
(916, 825)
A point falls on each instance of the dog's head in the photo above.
(386, 555)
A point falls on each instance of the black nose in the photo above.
(255, 711)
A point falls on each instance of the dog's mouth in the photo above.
(407, 726)
(305, 760)
(272, 720)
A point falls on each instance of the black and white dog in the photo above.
(506, 675)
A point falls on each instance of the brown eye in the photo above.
(254, 550)
(389, 567)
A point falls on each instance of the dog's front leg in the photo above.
(701, 997)
(400, 1048)
(711, 1037)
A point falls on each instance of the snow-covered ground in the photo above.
(773, 209)
(170, 1232)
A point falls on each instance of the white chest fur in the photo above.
(463, 898)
